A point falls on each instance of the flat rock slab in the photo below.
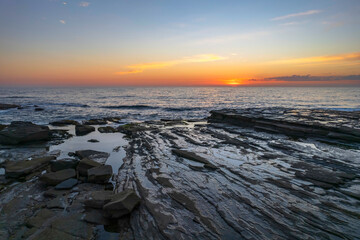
(194, 157)
(97, 156)
(26, 167)
(100, 174)
(67, 184)
(73, 225)
(81, 130)
(62, 164)
(24, 132)
(85, 164)
(40, 218)
(121, 204)
(97, 199)
(54, 178)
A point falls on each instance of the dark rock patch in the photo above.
(82, 130)
(54, 178)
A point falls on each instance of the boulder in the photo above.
(23, 132)
(82, 130)
(85, 164)
(61, 164)
(64, 123)
(107, 129)
(22, 168)
(100, 174)
(97, 156)
(54, 178)
(97, 199)
(4, 106)
(121, 204)
(67, 184)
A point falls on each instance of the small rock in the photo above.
(67, 184)
(39, 109)
(64, 123)
(82, 130)
(62, 164)
(93, 140)
(86, 164)
(100, 174)
(121, 204)
(107, 129)
(54, 178)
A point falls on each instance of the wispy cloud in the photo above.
(84, 4)
(309, 78)
(62, 21)
(321, 59)
(290, 23)
(138, 68)
(310, 12)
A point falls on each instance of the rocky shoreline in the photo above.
(269, 173)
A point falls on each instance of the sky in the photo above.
(179, 43)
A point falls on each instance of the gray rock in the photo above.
(23, 132)
(67, 184)
(26, 167)
(82, 130)
(4, 106)
(86, 164)
(121, 204)
(40, 218)
(100, 174)
(54, 178)
(62, 164)
(97, 199)
(64, 123)
(97, 156)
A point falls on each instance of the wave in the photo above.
(138, 107)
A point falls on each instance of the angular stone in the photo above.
(64, 123)
(54, 178)
(121, 204)
(23, 132)
(97, 156)
(40, 218)
(62, 164)
(86, 164)
(22, 168)
(82, 130)
(100, 174)
(98, 199)
(67, 184)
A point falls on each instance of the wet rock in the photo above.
(53, 193)
(113, 119)
(38, 109)
(121, 204)
(85, 164)
(107, 129)
(95, 122)
(26, 167)
(65, 163)
(131, 128)
(97, 156)
(54, 178)
(93, 140)
(67, 184)
(97, 199)
(58, 202)
(95, 216)
(194, 157)
(4, 106)
(82, 130)
(100, 174)
(73, 225)
(53, 234)
(59, 134)
(40, 218)
(23, 132)
(64, 123)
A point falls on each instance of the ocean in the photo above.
(153, 103)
